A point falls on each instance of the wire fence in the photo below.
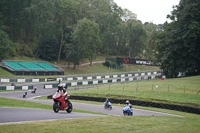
(151, 86)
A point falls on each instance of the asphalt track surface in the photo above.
(16, 115)
(13, 115)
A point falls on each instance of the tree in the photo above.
(66, 12)
(151, 51)
(6, 46)
(179, 50)
(136, 37)
(121, 41)
(86, 39)
(128, 15)
(47, 48)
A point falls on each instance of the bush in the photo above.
(110, 64)
(107, 63)
(113, 65)
(24, 50)
(48, 48)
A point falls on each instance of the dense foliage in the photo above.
(179, 45)
(54, 30)
(73, 30)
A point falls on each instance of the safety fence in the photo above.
(87, 77)
(16, 87)
(139, 103)
(104, 81)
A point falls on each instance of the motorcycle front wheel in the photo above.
(56, 107)
(125, 113)
(70, 107)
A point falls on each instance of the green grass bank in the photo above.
(181, 91)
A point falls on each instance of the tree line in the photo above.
(73, 30)
(70, 30)
(179, 43)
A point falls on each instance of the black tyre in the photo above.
(56, 107)
(110, 107)
(70, 107)
(125, 113)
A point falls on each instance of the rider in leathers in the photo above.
(106, 103)
(62, 90)
(130, 106)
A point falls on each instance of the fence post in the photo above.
(109, 86)
(137, 88)
(152, 88)
(123, 85)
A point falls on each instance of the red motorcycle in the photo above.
(61, 103)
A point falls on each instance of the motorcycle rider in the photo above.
(62, 90)
(106, 102)
(129, 105)
(33, 91)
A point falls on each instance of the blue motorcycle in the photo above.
(127, 111)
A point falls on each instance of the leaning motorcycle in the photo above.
(61, 102)
(107, 105)
(127, 111)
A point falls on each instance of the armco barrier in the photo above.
(139, 103)
(16, 87)
(104, 81)
(88, 77)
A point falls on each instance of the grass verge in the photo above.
(114, 124)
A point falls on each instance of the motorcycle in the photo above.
(127, 111)
(107, 105)
(33, 91)
(24, 94)
(61, 103)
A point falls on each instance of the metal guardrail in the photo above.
(84, 76)
(16, 87)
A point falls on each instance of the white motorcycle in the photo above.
(107, 105)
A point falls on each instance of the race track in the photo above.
(16, 115)
(10, 115)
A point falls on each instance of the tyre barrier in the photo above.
(139, 103)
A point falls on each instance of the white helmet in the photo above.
(127, 102)
(60, 86)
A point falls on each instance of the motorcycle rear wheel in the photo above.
(56, 107)
(70, 107)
